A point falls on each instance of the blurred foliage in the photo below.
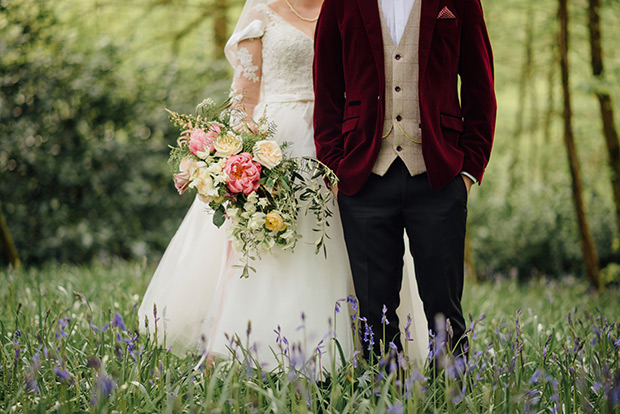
(84, 148)
(83, 134)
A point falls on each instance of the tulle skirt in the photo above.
(286, 311)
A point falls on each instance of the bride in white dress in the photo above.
(201, 300)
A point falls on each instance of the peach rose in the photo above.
(243, 173)
(181, 181)
(274, 221)
(267, 153)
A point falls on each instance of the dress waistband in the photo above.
(289, 97)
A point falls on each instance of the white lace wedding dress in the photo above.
(202, 301)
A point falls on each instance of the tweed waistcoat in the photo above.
(401, 128)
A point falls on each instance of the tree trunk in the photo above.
(589, 250)
(605, 102)
(220, 26)
(7, 242)
(550, 111)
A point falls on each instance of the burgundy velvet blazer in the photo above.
(349, 85)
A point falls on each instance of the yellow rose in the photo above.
(267, 153)
(227, 145)
(274, 221)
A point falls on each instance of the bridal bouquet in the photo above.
(246, 179)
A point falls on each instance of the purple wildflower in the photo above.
(355, 354)
(61, 325)
(407, 331)
(320, 347)
(384, 319)
(118, 322)
(63, 376)
(535, 377)
(353, 302)
(396, 408)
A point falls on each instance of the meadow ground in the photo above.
(69, 345)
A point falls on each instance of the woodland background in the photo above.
(84, 134)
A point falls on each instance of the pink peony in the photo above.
(199, 140)
(243, 173)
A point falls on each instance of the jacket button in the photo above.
(397, 89)
(399, 118)
(397, 57)
(399, 148)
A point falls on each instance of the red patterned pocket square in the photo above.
(446, 14)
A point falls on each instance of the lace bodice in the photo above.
(287, 59)
(274, 60)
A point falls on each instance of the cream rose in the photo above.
(227, 145)
(203, 183)
(274, 221)
(267, 153)
(190, 165)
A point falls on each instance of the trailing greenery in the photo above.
(69, 344)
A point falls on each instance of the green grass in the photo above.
(543, 346)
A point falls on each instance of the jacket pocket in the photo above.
(452, 122)
(349, 124)
(351, 117)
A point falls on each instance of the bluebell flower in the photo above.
(407, 331)
(353, 302)
(384, 319)
(118, 322)
(63, 376)
(396, 408)
(535, 377)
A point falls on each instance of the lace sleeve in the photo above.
(244, 51)
(246, 80)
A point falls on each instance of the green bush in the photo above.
(83, 147)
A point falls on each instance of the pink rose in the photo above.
(181, 181)
(199, 140)
(243, 173)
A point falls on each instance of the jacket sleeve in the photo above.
(479, 106)
(328, 74)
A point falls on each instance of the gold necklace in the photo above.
(305, 19)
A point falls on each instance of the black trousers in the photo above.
(374, 220)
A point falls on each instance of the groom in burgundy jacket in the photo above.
(406, 143)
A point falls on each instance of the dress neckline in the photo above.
(272, 11)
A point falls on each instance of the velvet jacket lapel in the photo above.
(369, 9)
(428, 18)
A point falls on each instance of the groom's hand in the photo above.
(334, 189)
(468, 182)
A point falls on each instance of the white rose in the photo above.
(203, 183)
(257, 221)
(267, 153)
(227, 145)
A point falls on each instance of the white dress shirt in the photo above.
(396, 13)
